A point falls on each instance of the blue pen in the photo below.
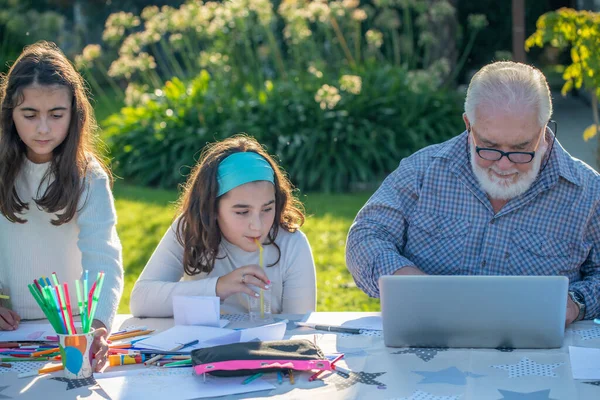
(193, 342)
(279, 377)
(252, 378)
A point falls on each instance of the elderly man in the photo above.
(502, 198)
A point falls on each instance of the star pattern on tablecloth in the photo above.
(424, 353)
(539, 395)
(595, 383)
(587, 334)
(343, 381)
(76, 383)
(451, 375)
(420, 395)
(3, 396)
(526, 367)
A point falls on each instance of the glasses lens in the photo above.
(520, 158)
(490, 155)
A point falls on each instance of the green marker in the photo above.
(178, 363)
(82, 314)
(95, 299)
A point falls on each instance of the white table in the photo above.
(386, 373)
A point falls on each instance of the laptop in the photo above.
(522, 312)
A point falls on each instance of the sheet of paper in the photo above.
(197, 310)
(371, 321)
(172, 384)
(267, 332)
(233, 337)
(263, 333)
(585, 362)
(181, 334)
(28, 331)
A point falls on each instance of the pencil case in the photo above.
(248, 358)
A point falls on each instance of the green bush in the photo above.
(326, 138)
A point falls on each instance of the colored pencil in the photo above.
(252, 378)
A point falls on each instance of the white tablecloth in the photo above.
(383, 373)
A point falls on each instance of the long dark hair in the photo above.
(197, 228)
(44, 64)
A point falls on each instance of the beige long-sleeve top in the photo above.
(38, 248)
(293, 278)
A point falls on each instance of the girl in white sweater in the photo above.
(234, 196)
(56, 206)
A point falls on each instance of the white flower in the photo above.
(351, 83)
(374, 38)
(359, 15)
(91, 52)
(313, 70)
(327, 97)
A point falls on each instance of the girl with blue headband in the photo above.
(234, 196)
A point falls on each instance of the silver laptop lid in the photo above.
(474, 311)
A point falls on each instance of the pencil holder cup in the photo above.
(76, 354)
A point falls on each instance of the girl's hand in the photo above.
(100, 345)
(9, 320)
(238, 281)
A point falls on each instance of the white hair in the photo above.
(509, 87)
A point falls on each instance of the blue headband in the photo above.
(243, 167)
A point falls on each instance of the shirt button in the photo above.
(492, 221)
(483, 263)
(506, 255)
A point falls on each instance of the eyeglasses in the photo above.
(517, 157)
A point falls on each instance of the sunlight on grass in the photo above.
(144, 215)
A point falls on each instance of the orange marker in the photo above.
(44, 352)
(52, 368)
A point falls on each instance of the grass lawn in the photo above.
(144, 215)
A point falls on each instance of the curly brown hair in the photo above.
(44, 64)
(197, 228)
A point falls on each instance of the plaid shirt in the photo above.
(431, 213)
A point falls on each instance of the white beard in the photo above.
(505, 189)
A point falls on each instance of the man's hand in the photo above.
(409, 270)
(572, 311)
(100, 345)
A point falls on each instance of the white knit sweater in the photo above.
(293, 278)
(38, 248)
